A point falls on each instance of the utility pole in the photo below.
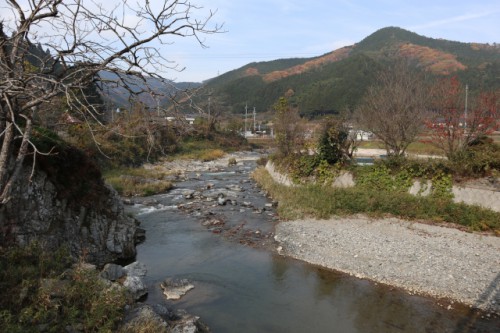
(246, 113)
(254, 113)
(466, 98)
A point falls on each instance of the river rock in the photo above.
(128, 202)
(221, 200)
(150, 202)
(141, 316)
(112, 272)
(213, 222)
(215, 193)
(187, 323)
(235, 188)
(136, 269)
(247, 204)
(188, 194)
(174, 289)
(135, 287)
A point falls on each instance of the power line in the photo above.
(247, 56)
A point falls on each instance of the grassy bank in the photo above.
(140, 181)
(325, 201)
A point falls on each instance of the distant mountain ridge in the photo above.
(151, 92)
(338, 80)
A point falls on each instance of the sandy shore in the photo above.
(421, 258)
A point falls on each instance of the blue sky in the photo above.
(258, 30)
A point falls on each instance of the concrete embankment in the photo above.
(468, 193)
(418, 257)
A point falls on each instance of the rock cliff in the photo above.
(66, 203)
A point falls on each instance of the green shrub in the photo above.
(442, 185)
(84, 302)
(380, 178)
(324, 202)
(480, 159)
(301, 166)
(326, 173)
(334, 144)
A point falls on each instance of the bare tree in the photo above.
(83, 38)
(458, 119)
(394, 109)
(288, 128)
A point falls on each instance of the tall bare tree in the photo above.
(82, 38)
(288, 128)
(394, 109)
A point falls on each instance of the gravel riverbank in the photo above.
(421, 258)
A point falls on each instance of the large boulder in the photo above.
(67, 203)
(135, 287)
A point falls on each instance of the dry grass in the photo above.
(144, 325)
(262, 142)
(418, 147)
(138, 181)
(211, 155)
(204, 155)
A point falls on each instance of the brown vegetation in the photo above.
(334, 56)
(435, 61)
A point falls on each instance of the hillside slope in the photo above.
(338, 80)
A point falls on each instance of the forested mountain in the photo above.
(151, 92)
(335, 81)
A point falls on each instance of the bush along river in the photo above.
(214, 232)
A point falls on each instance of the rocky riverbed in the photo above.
(220, 195)
(194, 233)
(424, 259)
(420, 258)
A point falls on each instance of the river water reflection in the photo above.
(242, 289)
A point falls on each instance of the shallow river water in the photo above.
(242, 288)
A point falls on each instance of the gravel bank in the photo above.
(420, 258)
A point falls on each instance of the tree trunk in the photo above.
(5, 153)
(23, 150)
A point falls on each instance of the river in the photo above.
(222, 246)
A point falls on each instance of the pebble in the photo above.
(423, 258)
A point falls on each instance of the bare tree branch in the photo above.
(83, 38)
(395, 108)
